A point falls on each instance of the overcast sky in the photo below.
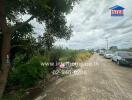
(92, 23)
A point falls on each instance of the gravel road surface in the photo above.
(100, 79)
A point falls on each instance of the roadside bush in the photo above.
(75, 55)
(54, 56)
(72, 56)
(83, 55)
(28, 74)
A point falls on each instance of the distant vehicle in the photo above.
(101, 52)
(108, 54)
(122, 58)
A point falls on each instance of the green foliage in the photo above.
(37, 8)
(48, 40)
(23, 43)
(28, 74)
(56, 53)
(10, 97)
(22, 33)
(52, 12)
(14, 96)
(72, 56)
(64, 55)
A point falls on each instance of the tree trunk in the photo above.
(6, 45)
(5, 61)
(5, 52)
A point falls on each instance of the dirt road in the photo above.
(104, 80)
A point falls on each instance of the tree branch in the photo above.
(21, 25)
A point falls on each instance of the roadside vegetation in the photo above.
(21, 49)
(29, 74)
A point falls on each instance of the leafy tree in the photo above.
(43, 10)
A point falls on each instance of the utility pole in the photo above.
(107, 43)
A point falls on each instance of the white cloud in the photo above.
(92, 23)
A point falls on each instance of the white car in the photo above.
(108, 54)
